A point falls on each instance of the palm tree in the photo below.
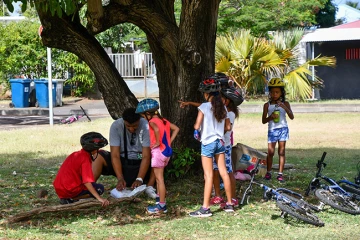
(251, 61)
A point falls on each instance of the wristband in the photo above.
(139, 179)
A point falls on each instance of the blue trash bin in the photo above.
(20, 90)
(42, 93)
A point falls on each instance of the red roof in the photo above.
(355, 24)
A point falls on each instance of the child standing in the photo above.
(232, 99)
(274, 113)
(160, 143)
(212, 121)
(75, 179)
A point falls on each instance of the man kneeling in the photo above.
(129, 156)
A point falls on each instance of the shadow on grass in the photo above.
(184, 195)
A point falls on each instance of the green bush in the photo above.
(182, 162)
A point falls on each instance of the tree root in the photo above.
(67, 207)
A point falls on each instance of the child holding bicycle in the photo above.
(274, 113)
(212, 122)
(162, 134)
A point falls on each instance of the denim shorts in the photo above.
(228, 161)
(212, 149)
(278, 135)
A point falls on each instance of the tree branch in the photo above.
(139, 12)
(67, 207)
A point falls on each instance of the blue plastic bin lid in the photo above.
(43, 80)
(20, 80)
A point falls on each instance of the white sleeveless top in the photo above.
(282, 123)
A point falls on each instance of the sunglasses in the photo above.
(133, 139)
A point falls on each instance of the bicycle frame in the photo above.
(270, 193)
(331, 185)
(348, 182)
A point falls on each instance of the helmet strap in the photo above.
(92, 157)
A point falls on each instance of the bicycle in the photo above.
(74, 118)
(331, 193)
(351, 187)
(289, 202)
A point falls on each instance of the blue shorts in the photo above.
(212, 149)
(228, 161)
(278, 135)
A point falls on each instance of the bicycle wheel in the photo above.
(300, 213)
(301, 202)
(337, 202)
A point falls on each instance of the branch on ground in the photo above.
(67, 207)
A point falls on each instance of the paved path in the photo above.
(22, 117)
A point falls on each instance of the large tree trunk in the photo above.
(183, 54)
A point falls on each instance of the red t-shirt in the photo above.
(73, 173)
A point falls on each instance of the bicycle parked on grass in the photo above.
(289, 202)
(329, 192)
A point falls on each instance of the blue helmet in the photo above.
(147, 105)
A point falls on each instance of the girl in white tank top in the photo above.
(274, 113)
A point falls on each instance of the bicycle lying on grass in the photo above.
(74, 118)
(351, 187)
(289, 202)
(329, 192)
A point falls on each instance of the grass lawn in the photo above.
(35, 154)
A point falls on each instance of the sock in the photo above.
(269, 172)
(162, 204)
(280, 174)
(233, 199)
(204, 208)
(157, 195)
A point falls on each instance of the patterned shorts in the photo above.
(228, 161)
(278, 135)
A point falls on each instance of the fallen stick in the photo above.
(67, 207)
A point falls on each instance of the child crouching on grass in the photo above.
(75, 179)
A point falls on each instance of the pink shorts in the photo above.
(158, 160)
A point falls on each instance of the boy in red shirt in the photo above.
(75, 179)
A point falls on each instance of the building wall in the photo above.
(342, 82)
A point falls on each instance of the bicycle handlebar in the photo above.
(320, 163)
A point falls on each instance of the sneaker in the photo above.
(280, 178)
(268, 176)
(201, 213)
(216, 200)
(228, 207)
(156, 209)
(151, 192)
(235, 203)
